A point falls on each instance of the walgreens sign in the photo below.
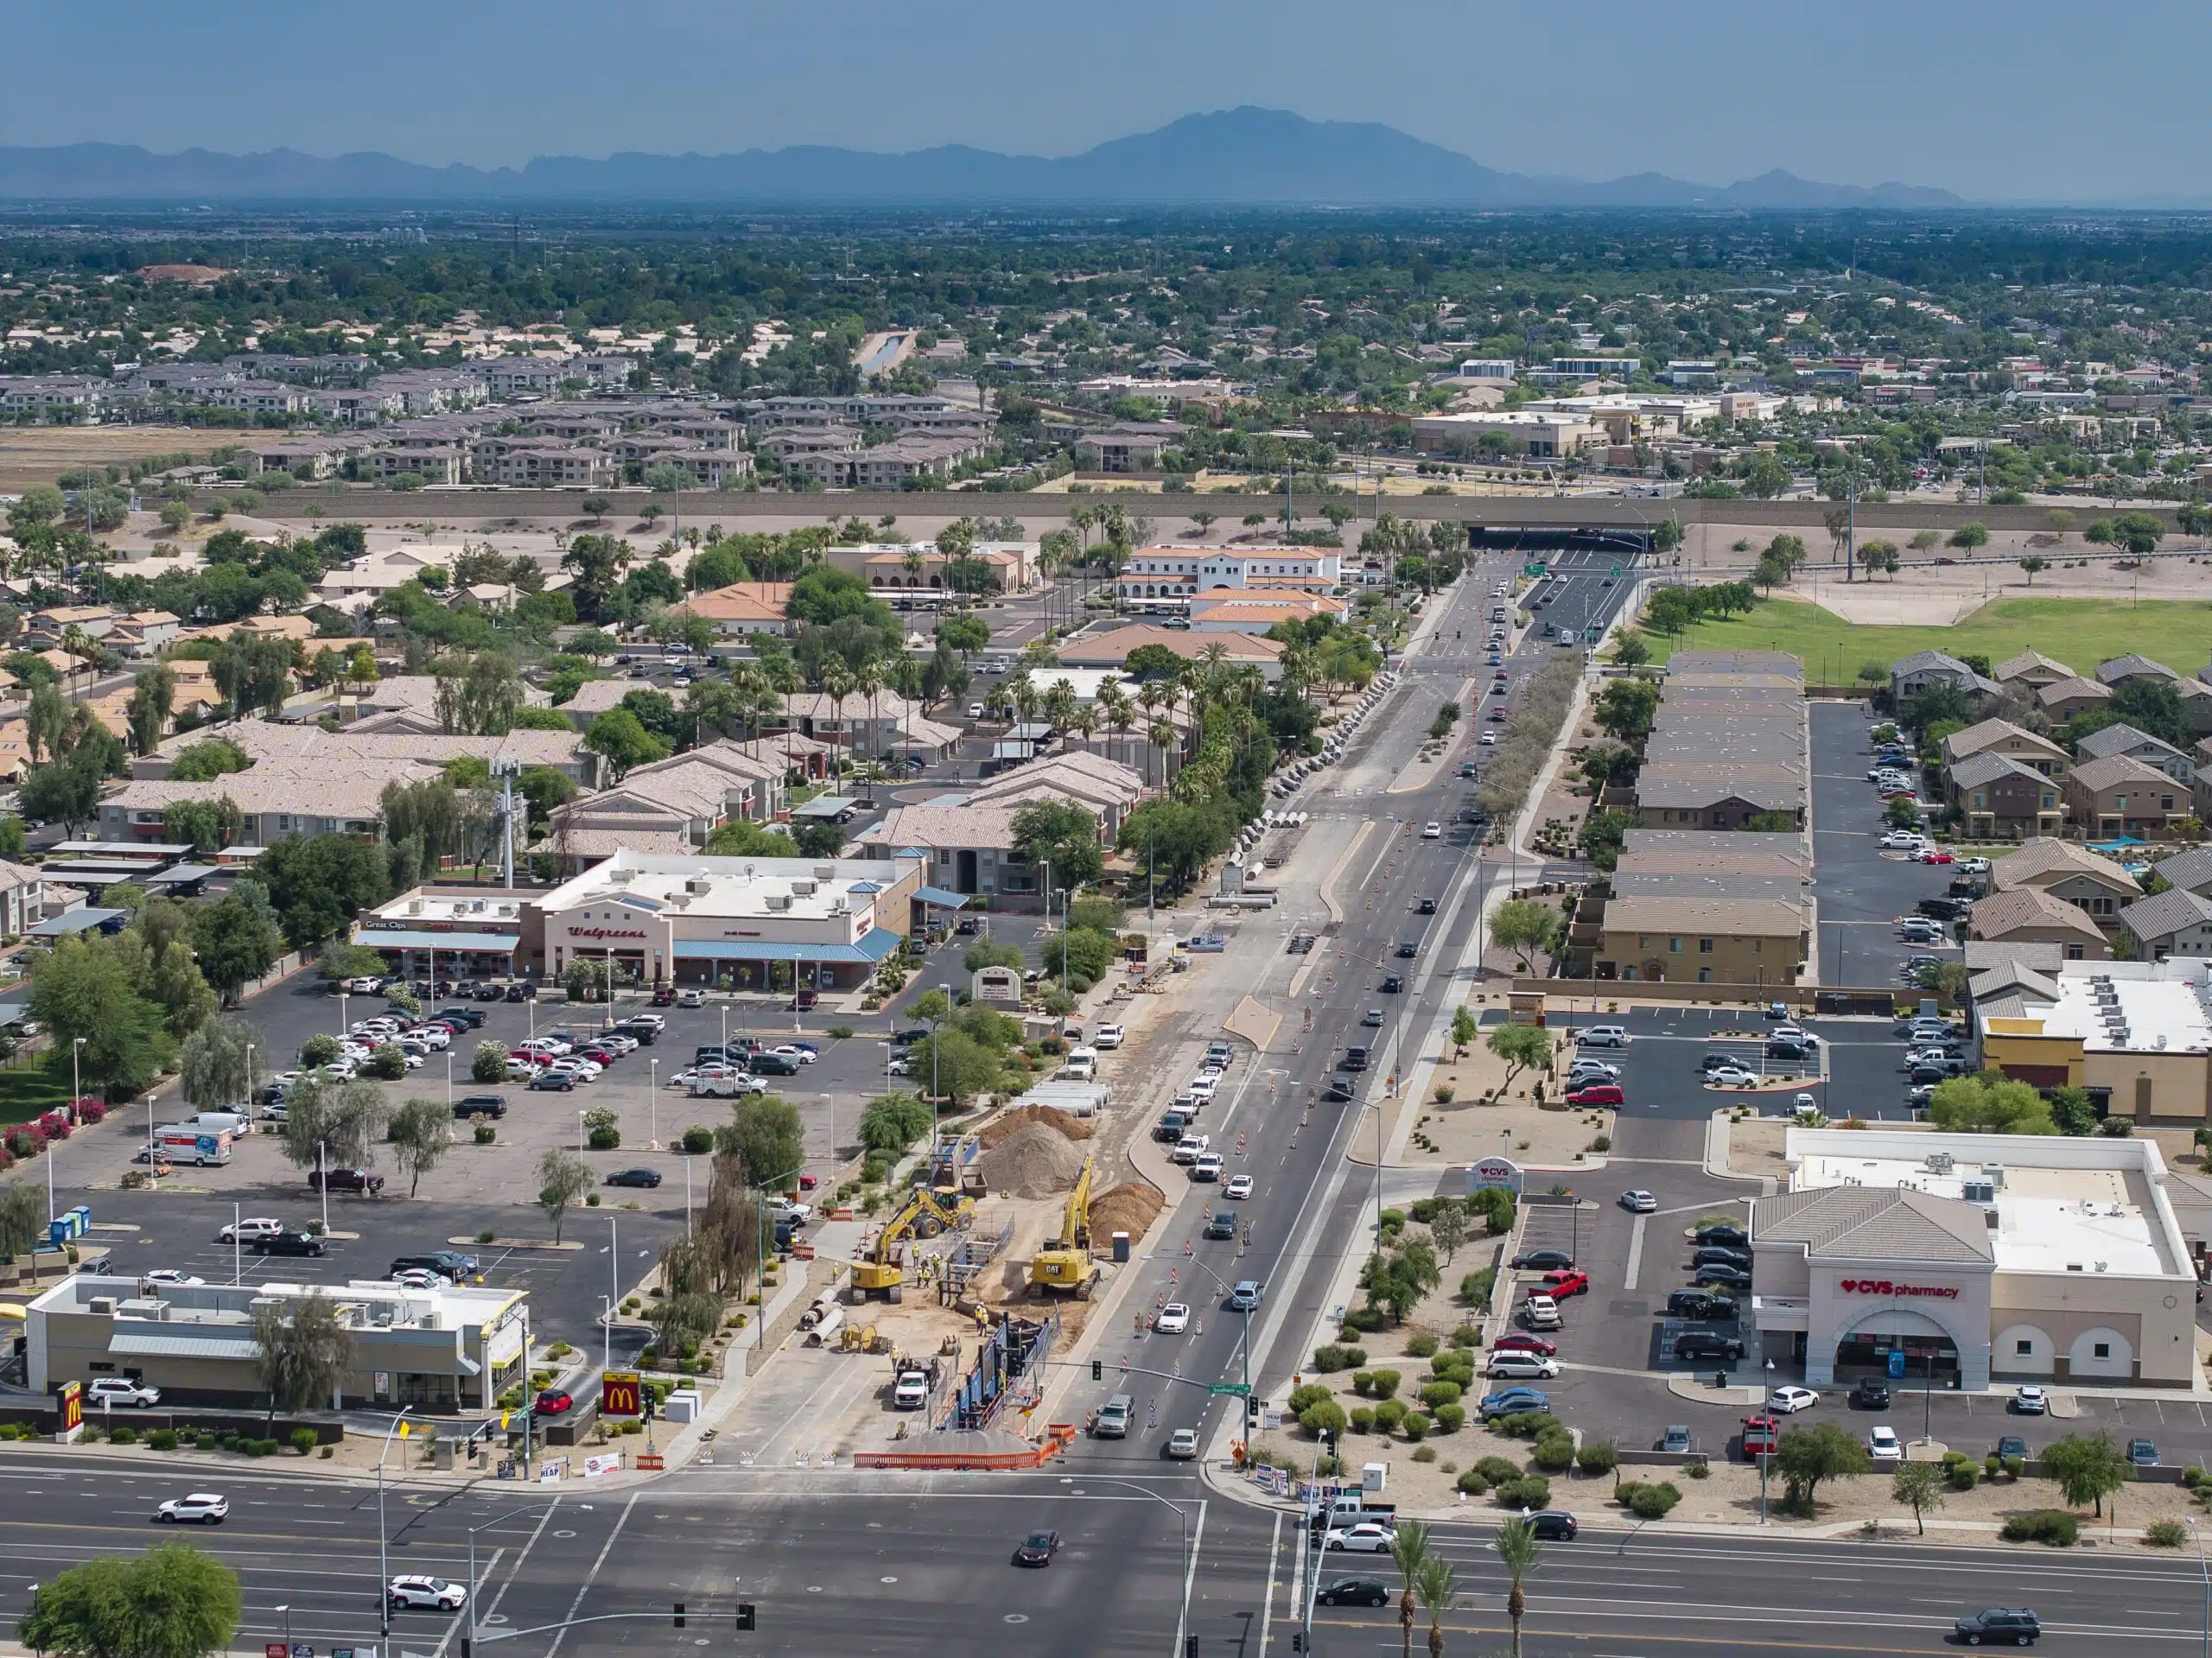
(605, 932)
(1884, 1287)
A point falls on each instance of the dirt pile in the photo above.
(1131, 1208)
(1069, 1125)
(1035, 1160)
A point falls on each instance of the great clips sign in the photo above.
(1884, 1287)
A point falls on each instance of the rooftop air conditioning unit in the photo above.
(802, 889)
(825, 872)
(415, 906)
(1994, 1173)
(1940, 1162)
(1978, 1191)
(102, 1304)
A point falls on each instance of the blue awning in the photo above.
(940, 899)
(499, 944)
(876, 946)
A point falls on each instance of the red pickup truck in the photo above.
(1570, 1282)
(1761, 1435)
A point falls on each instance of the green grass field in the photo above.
(2081, 632)
(27, 1088)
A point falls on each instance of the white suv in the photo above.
(111, 1391)
(254, 1226)
(1602, 1035)
(434, 1593)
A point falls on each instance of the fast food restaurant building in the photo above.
(1981, 1259)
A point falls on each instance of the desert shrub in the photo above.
(1311, 1394)
(1497, 1470)
(123, 1435)
(1475, 1287)
(698, 1141)
(1473, 1484)
(1420, 1347)
(2165, 1534)
(1363, 1383)
(162, 1439)
(2052, 1525)
(304, 1440)
(1450, 1419)
(1362, 1420)
(1528, 1491)
(1326, 1417)
(1527, 1424)
(1415, 1426)
(1699, 1469)
(1385, 1383)
(1554, 1453)
(1440, 1393)
(1650, 1501)
(1333, 1357)
(1426, 1453)
(1367, 1320)
(1597, 1457)
(1390, 1413)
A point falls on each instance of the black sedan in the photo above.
(634, 1178)
(1038, 1548)
(1554, 1525)
(1354, 1591)
(1734, 1278)
(1728, 1237)
(1542, 1261)
(1407, 948)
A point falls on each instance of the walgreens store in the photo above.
(1974, 1260)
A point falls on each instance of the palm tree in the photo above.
(1432, 1581)
(838, 685)
(1409, 1548)
(1114, 710)
(1086, 722)
(1162, 735)
(1519, 1553)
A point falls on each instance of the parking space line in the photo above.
(1635, 1254)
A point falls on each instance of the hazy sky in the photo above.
(2007, 99)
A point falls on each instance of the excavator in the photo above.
(1065, 1264)
(881, 1270)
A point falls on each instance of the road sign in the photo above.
(1617, 571)
(1234, 1389)
(618, 1393)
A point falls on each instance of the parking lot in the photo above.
(1861, 890)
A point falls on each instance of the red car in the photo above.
(1559, 1284)
(1760, 1433)
(1600, 1094)
(553, 1402)
(1936, 854)
(1520, 1342)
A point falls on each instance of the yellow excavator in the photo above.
(1065, 1265)
(882, 1270)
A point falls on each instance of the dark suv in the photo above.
(2010, 1625)
(1222, 1224)
(1870, 1395)
(446, 1263)
(480, 1105)
(1706, 1344)
(1696, 1304)
(358, 1180)
(289, 1243)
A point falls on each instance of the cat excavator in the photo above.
(1065, 1265)
(881, 1270)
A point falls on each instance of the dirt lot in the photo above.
(38, 454)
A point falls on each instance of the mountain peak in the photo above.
(1248, 156)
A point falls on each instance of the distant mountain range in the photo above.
(1236, 157)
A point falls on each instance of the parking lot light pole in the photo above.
(652, 1141)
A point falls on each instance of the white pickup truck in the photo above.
(1190, 1147)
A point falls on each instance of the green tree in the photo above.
(622, 739)
(319, 883)
(1919, 1486)
(1805, 1456)
(1524, 927)
(1521, 1046)
(211, 1065)
(490, 1063)
(204, 825)
(1464, 1031)
(2088, 1468)
(1435, 1582)
(563, 1178)
(1626, 709)
(960, 1066)
(1519, 1555)
(765, 1131)
(1989, 1103)
(67, 791)
(23, 1218)
(235, 943)
(304, 1351)
(152, 696)
(84, 989)
(1065, 836)
(172, 1602)
(2071, 1112)
(1969, 536)
(204, 762)
(1409, 1550)
(422, 1133)
(2033, 566)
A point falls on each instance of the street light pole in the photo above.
(1190, 1565)
(652, 1139)
(472, 1530)
(383, 1562)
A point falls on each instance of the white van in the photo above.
(214, 1122)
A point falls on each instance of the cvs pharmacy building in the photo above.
(1975, 1259)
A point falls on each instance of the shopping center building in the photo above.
(1979, 1259)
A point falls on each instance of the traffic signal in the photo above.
(1190, 1646)
(648, 1398)
(464, 1647)
(679, 1614)
(1298, 1640)
(745, 1614)
(1098, 1369)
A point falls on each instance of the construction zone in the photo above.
(931, 1348)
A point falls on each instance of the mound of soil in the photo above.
(1069, 1125)
(1035, 1160)
(1130, 1208)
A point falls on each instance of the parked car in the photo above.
(1514, 1365)
(1602, 1035)
(1565, 1281)
(1787, 1401)
(1723, 1233)
(1883, 1449)
(1598, 1096)
(252, 1227)
(2143, 1453)
(111, 1392)
(1734, 1278)
(1700, 1303)
(646, 1178)
(1867, 1393)
(1706, 1344)
(1541, 1259)
(2030, 1401)
(1730, 1075)
(355, 1180)
(1513, 1401)
(1639, 1201)
(290, 1243)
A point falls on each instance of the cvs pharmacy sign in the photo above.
(1884, 1287)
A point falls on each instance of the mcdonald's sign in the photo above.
(618, 1393)
(73, 1405)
